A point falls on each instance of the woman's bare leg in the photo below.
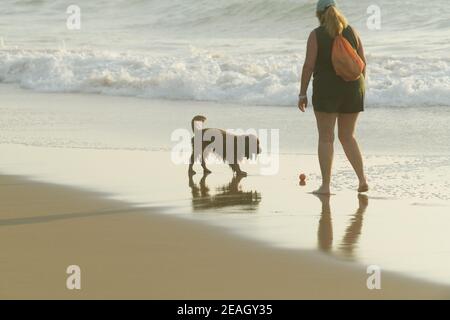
(346, 129)
(326, 123)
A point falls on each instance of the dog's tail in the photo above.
(201, 119)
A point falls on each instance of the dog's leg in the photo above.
(237, 169)
(191, 165)
(205, 169)
(239, 172)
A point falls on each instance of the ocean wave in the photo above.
(281, 16)
(262, 18)
(211, 76)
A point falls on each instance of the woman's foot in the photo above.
(363, 187)
(363, 201)
(324, 190)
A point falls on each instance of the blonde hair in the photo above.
(333, 21)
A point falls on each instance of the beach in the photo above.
(138, 253)
(96, 105)
(135, 216)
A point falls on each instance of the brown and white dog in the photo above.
(204, 143)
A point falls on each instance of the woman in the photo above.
(334, 99)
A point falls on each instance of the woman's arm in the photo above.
(361, 52)
(308, 69)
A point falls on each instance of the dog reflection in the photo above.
(229, 195)
(352, 234)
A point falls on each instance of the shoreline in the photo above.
(138, 253)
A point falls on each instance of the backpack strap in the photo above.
(354, 37)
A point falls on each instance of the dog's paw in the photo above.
(241, 174)
(191, 172)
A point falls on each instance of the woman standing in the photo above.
(334, 99)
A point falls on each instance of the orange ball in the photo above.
(302, 177)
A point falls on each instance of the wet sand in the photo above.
(128, 252)
(155, 233)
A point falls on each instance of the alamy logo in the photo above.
(73, 21)
(73, 281)
(232, 146)
(374, 20)
(374, 280)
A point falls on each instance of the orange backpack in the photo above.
(346, 61)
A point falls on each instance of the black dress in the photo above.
(331, 93)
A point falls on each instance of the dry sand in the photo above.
(135, 253)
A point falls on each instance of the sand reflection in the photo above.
(224, 196)
(349, 242)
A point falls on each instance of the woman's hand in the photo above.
(303, 104)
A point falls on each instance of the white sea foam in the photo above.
(213, 76)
